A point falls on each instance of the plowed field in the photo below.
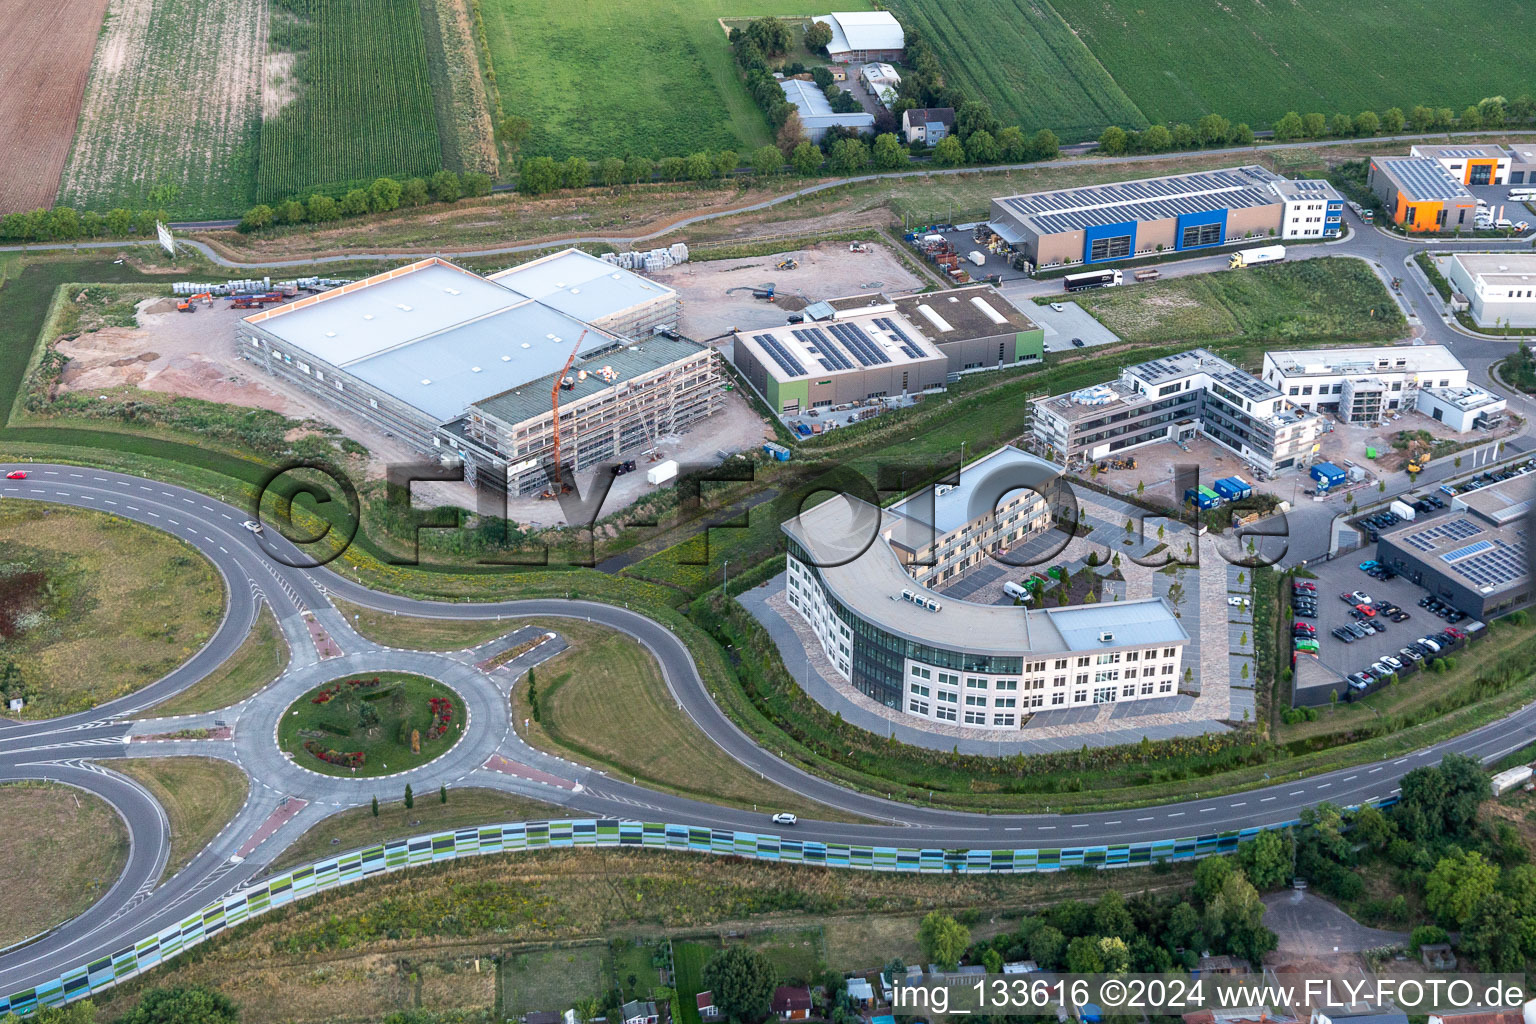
(45, 59)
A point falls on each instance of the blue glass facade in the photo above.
(1214, 223)
(1115, 242)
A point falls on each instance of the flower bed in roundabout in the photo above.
(371, 724)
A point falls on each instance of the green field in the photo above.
(647, 77)
(1023, 59)
(364, 105)
(375, 720)
(1076, 66)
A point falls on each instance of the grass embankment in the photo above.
(60, 851)
(419, 633)
(94, 607)
(604, 703)
(255, 663)
(357, 827)
(200, 796)
(361, 952)
(1313, 300)
(387, 719)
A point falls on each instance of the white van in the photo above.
(1503, 222)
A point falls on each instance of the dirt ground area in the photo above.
(735, 428)
(1348, 443)
(45, 60)
(717, 294)
(1155, 468)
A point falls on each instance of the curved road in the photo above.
(59, 748)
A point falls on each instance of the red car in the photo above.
(1366, 610)
(16, 474)
(1453, 631)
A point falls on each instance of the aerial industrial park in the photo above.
(932, 506)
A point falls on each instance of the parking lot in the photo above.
(1061, 326)
(1344, 575)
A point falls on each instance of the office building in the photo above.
(1463, 408)
(1420, 195)
(1361, 385)
(1500, 289)
(1206, 209)
(1175, 399)
(1470, 165)
(1477, 557)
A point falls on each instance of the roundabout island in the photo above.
(367, 726)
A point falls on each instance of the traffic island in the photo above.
(371, 724)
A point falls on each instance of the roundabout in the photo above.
(290, 790)
(366, 726)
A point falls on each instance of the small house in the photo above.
(927, 125)
(1221, 965)
(883, 82)
(860, 993)
(790, 1002)
(707, 1008)
(638, 1011)
(1021, 967)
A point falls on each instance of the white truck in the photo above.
(1252, 257)
(1402, 510)
(977, 257)
(661, 472)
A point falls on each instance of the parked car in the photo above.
(1366, 610)
(1391, 662)
(1059, 307)
(1360, 631)
(1400, 616)
(1307, 585)
(1368, 565)
(1344, 635)
(1411, 654)
(1453, 631)
(1361, 597)
(1432, 645)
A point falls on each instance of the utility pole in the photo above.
(724, 578)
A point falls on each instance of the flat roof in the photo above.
(1485, 543)
(1422, 179)
(1465, 398)
(441, 338)
(1158, 372)
(1144, 199)
(1333, 361)
(847, 344)
(1459, 152)
(1523, 153)
(627, 362)
(1499, 268)
(847, 537)
(1306, 188)
(814, 109)
(977, 311)
(982, 487)
(1504, 502)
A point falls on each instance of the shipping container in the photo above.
(661, 472)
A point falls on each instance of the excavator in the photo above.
(189, 304)
(563, 382)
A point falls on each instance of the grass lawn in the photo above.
(1303, 300)
(1176, 58)
(377, 720)
(647, 77)
(604, 703)
(255, 663)
(93, 607)
(688, 960)
(422, 634)
(60, 851)
(539, 979)
(356, 828)
(632, 967)
(200, 795)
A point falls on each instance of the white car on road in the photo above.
(252, 525)
(784, 818)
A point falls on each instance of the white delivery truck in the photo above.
(977, 257)
(661, 472)
(1252, 257)
(1402, 510)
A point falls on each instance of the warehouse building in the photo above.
(1462, 409)
(1174, 399)
(1341, 381)
(858, 353)
(1470, 165)
(1522, 164)
(859, 37)
(1500, 289)
(975, 327)
(1477, 557)
(1419, 194)
(461, 366)
(957, 663)
(816, 114)
(1101, 223)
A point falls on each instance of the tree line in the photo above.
(383, 195)
(66, 224)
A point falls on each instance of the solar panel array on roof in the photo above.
(1245, 384)
(866, 351)
(1422, 178)
(788, 363)
(907, 345)
(1454, 529)
(1154, 199)
(816, 340)
(1494, 564)
(1464, 152)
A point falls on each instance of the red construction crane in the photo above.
(560, 487)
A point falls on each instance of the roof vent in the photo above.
(330, 334)
(425, 381)
(402, 307)
(474, 369)
(1106, 637)
(616, 276)
(367, 316)
(451, 291)
(575, 291)
(559, 284)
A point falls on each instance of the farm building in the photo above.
(1319, 379)
(1102, 223)
(1420, 194)
(883, 81)
(857, 353)
(1470, 165)
(1173, 399)
(1500, 289)
(1477, 556)
(816, 114)
(859, 37)
(461, 366)
(927, 124)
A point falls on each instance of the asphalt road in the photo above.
(30, 750)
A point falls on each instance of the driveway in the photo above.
(1312, 926)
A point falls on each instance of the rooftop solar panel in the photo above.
(908, 346)
(1422, 178)
(788, 363)
(1467, 549)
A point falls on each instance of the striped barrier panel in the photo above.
(281, 890)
